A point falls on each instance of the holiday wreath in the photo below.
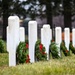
(40, 53)
(72, 48)
(53, 49)
(64, 49)
(22, 55)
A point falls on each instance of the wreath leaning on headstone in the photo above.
(64, 49)
(53, 50)
(40, 54)
(22, 55)
(72, 48)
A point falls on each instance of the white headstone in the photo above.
(73, 37)
(32, 39)
(46, 38)
(8, 39)
(42, 38)
(12, 38)
(22, 34)
(67, 37)
(58, 38)
(50, 34)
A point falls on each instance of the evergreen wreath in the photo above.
(72, 48)
(22, 55)
(40, 54)
(64, 49)
(53, 49)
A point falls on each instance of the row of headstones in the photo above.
(15, 34)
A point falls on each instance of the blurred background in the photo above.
(54, 12)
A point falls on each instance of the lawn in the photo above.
(64, 66)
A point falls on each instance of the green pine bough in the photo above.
(64, 49)
(54, 50)
(22, 53)
(40, 54)
(72, 48)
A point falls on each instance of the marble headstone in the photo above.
(12, 38)
(46, 38)
(58, 38)
(32, 33)
(67, 37)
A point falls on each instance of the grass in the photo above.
(64, 66)
(3, 59)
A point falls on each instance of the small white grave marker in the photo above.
(32, 39)
(42, 38)
(73, 37)
(8, 39)
(22, 34)
(46, 38)
(58, 37)
(50, 34)
(67, 37)
(12, 38)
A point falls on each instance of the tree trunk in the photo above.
(5, 17)
(49, 13)
(67, 14)
(49, 16)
